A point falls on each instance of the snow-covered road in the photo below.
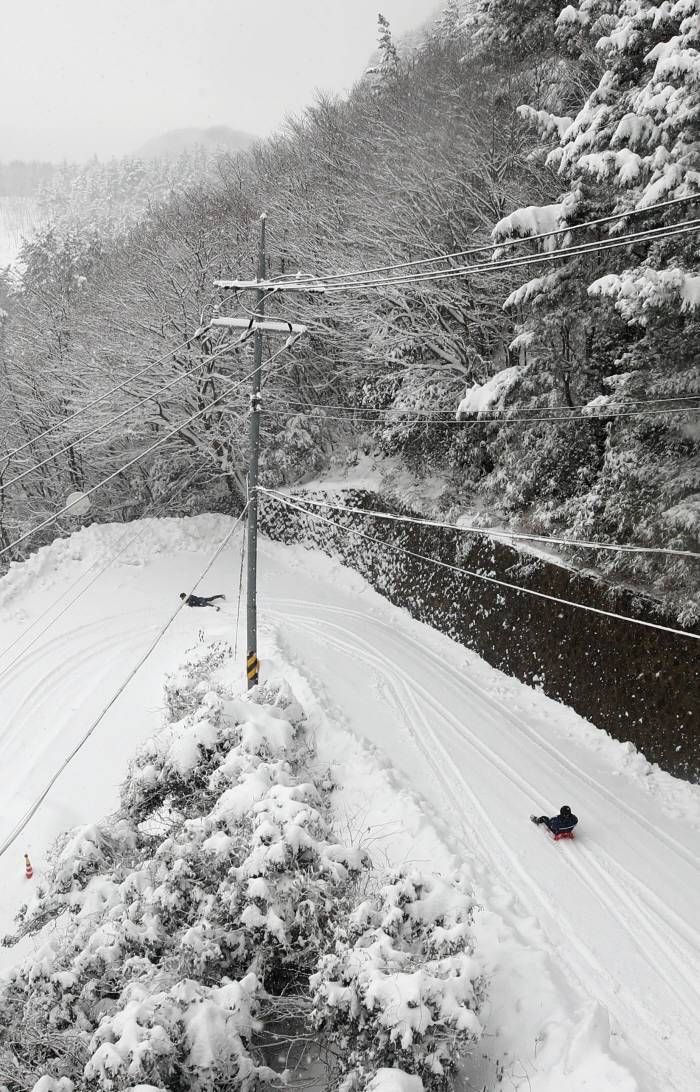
(618, 909)
(593, 946)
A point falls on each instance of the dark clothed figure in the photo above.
(201, 600)
(563, 823)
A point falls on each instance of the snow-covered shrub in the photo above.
(176, 764)
(188, 1036)
(402, 986)
(185, 687)
(218, 883)
(218, 889)
(90, 849)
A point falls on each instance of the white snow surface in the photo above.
(592, 947)
(395, 1080)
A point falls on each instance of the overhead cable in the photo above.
(354, 419)
(649, 235)
(488, 532)
(483, 576)
(515, 240)
(34, 807)
(137, 458)
(535, 409)
(106, 394)
(592, 246)
(119, 417)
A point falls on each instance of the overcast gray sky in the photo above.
(94, 77)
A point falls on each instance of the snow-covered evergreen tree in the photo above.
(606, 329)
(388, 54)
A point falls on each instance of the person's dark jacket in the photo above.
(198, 601)
(562, 824)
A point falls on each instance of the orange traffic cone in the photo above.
(29, 870)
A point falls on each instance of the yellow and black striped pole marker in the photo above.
(253, 667)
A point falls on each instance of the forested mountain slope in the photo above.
(507, 121)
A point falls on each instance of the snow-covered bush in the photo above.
(402, 986)
(188, 1036)
(220, 860)
(183, 688)
(176, 926)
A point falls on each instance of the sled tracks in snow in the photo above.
(647, 923)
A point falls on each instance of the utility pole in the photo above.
(252, 665)
(258, 325)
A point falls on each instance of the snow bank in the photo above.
(120, 544)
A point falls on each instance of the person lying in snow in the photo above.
(201, 600)
(563, 823)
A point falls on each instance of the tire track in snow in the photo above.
(372, 657)
(671, 919)
(39, 651)
(491, 703)
(483, 833)
(653, 916)
(640, 1016)
(647, 918)
(67, 677)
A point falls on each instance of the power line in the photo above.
(483, 576)
(31, 811)
(648, 235)
(354, 419)
(137, 458)
(488, 532)
(565, 229)
(113, 420)
(522, 262)
(113, 390)
(536, 409)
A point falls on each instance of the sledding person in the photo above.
(201, 600)
(563, 823)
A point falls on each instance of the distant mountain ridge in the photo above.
(171, 144)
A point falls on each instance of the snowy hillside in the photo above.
(591, 949)
(219, 138)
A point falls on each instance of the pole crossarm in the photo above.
(271, 325)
